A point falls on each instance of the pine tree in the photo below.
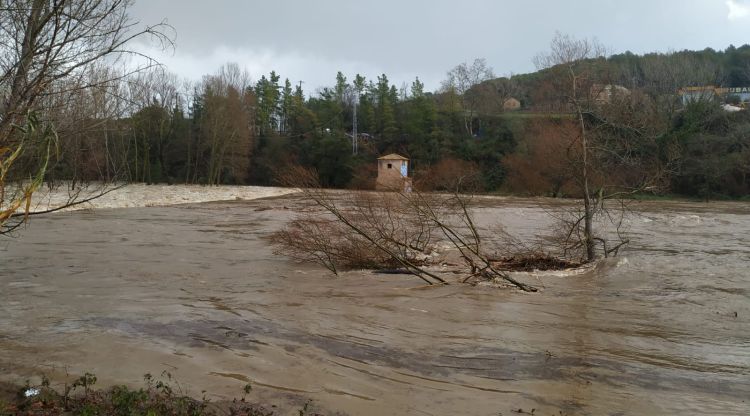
(286, 106)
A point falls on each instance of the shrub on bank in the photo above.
(156, 398)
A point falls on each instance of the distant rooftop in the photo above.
(392, 156)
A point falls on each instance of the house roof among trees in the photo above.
(392, 156)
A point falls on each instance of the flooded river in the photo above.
(196, 290)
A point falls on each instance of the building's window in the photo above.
(390, 166)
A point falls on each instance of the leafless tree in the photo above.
(614, 153)
(387, 229)
(154, 97)
(463, 81)
(493, 95)
(664, 74)
(227, 123)
(48, 48)
(570, 57)
(450, 174)
(85, 113)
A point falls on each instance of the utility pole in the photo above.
(355, 143)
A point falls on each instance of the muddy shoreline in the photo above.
(196, 290)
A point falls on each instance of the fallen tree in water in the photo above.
(406, 231)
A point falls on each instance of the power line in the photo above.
(355, 144)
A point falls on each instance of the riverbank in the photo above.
(138, 195)
(142, 195)
(158, 395)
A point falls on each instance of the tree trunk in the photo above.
(588, 209)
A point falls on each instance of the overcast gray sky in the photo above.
(310, 40)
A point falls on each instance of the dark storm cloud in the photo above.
(311, 40)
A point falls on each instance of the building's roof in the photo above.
(392, 156)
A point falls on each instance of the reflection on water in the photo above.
(195, 290)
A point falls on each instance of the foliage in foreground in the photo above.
(158, 397)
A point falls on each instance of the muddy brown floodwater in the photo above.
(196, 290)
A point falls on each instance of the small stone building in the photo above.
(511, 104)
(603, 94)
(393, 173)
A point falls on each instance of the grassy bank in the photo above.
(157, 397)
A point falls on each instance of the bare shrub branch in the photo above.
(384, 230)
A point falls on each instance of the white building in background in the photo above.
(731, 108)
(710, 92)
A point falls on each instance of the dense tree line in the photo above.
(229, 130)
(702, 147)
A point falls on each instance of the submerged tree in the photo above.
(615, 151)
(404, 230)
